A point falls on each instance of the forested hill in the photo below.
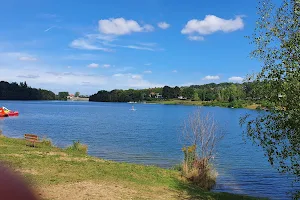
(223, 92)
(15, 91)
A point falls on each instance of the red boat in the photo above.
(4, 112)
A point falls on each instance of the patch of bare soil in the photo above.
(89, 190)
(14, 155)
(27, 171)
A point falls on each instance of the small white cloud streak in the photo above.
(27, 58)
(211, 77)
(106, 66)
(93, 65)
(148, 72)
(48, 29)
(235, 79)
(84, 44)
(195, 38)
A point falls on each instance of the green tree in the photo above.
(277, 41)
(77, 94)
(196, 97)
(63, 95)
(188, 92)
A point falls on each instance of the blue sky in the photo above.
(92, 45)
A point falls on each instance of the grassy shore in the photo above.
(56, 173)
(247, 105)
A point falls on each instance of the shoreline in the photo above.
(252, 106)
(53, 170)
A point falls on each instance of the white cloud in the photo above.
(93, 65)
(148, 72)
(41, 75)
(148, 64)
(138, 47)
(133, 81)
(121, 26)
(174, 71)
(48, 29)
(27, 58)
(82, 43)
(212, 24)
(30, 76)
(211, 77)
(195, 38)
(163, 25)
(106, 66)
(235, 79)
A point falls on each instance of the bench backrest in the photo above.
(31, 137)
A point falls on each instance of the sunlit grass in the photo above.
(45, 165)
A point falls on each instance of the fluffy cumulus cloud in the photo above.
(211, 77)
(93, 65)
(163, 25)
(211, 24)
(121, 26)
(235, 79)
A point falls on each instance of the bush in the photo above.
(46, 142)
(198, 171)
(78, 147)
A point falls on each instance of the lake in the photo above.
(151, 136)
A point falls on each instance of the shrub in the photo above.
(78, 147)
(46, 141)
(196, 170)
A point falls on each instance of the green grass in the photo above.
(45, 165)
(235, 104)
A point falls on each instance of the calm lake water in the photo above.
(150, 135)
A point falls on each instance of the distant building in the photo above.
(182, 98)
(158, 96)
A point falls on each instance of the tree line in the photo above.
(21, 91)
(224, 92)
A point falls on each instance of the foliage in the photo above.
(78, 147)
(63, 96)
(77, 94)
(15, 91)
(223, 92)
(200, 135)
(277, 41)
(46, 141)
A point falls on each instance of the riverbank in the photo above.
(246, 105)
(56, 173)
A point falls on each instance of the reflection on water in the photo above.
(149, 135)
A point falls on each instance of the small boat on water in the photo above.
(133, 109)
(4, 112)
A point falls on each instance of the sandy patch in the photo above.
(89, 190)
(27, 171)
(14, 155)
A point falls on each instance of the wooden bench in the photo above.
(32, 139)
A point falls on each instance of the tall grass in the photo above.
(198, 171)
(78, 147)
